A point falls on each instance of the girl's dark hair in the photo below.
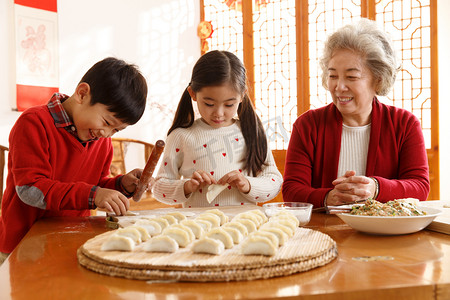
(216, 68)
(118, 85)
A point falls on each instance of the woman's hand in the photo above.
(350, 188)
(198, 178)
(236, 179)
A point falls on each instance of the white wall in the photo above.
(160, 37)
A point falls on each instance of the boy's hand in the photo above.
(131, 180)
(111, 201)
(198, 177)
(236, 179)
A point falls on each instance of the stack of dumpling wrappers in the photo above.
(209, 245)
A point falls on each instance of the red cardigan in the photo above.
(57, 165)
(397, 157)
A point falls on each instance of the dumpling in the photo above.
(249, 216)
(118, 243)
(130, 232)
(235, 234)
(206, 225)
(196, 228)
(162, 222)
(185, 228)
(171, 219)
(213, 218)
(179, 235)
(284, 221)
(223, 217)
(142, 231)
(280, 234)
(238, 225)
(161, 243)
(179, 216)
(250, 225)
(271, 236)
(285, 214)
(220, 234)
(259, 213)
(208, 245)
(153, 228)
(213, 191)
(288, 230)
(258, 245)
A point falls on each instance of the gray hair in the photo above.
(373, 44)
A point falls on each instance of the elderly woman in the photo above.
(356, 147)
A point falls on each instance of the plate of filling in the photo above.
(401, 216)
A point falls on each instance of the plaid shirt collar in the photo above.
(60, 115)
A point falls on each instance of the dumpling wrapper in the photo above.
(213, 191)
(161, 243)
(221, 235)
(196, 228)
(130, 232)
(223, 217)
(258, 245)
(179, 235)
(209, 246)
(153, 228)
(118, 243)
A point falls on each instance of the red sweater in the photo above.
(57, 166)
(397, 157)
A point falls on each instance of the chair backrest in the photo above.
(121, 145)
(3, 150)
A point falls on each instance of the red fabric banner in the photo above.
(28, 95)
(50, 5)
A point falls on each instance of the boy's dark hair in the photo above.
(120, 86)
(215, 68)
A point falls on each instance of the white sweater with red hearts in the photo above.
(215, 150)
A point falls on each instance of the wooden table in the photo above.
(414, 266)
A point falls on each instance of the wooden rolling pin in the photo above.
(148, 170)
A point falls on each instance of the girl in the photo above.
(217, 148)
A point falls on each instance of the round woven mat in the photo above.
(306, 250)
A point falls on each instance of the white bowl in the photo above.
(391, 225)
(301, 210)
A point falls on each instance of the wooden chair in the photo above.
(3, 150)
(122, 147)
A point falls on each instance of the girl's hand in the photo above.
(198, 178)
(350, 188)
(111, 201)
(236, 179)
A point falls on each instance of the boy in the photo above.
(60, 153)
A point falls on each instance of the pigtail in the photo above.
(254, 136)
(184, 116)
